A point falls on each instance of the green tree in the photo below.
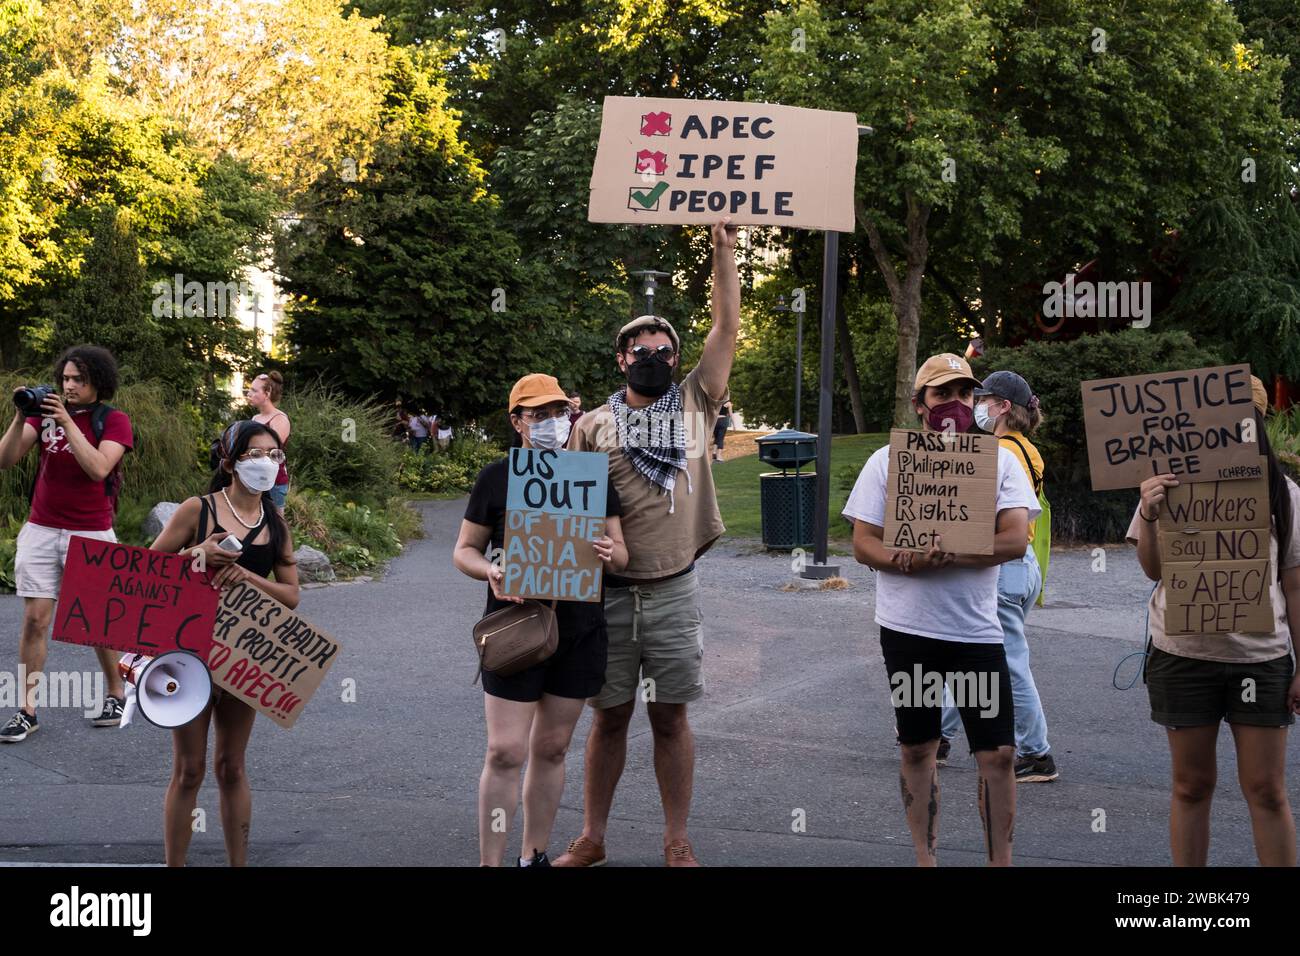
(1013, 141)
(393, 277)
(292, 87)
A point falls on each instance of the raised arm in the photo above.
(724, 306)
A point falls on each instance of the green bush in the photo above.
(340, 444)
(447, 472)
(355, 536)
(1054, 371)
(1284, 437)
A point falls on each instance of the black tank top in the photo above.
(258, 558)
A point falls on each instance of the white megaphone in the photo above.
(170, 689)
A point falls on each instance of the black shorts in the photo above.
(576, 669)
(980, 681)
(1189, 692)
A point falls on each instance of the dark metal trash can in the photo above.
(788, 500)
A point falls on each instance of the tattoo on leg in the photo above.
(243, 828)
(907, 796)
(931, 840)
(988, 814)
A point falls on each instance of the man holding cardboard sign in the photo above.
(1224, 620)
(937, 607)
(656, 433)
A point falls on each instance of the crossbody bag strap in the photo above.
(1034, 476)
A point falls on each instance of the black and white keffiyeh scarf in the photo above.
(653, 438)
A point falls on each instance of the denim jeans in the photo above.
(1018, 585)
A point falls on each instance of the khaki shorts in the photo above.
(41, 554)
(656, 643)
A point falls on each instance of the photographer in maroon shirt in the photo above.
(77, 479)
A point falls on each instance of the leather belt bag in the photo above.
(517, 637)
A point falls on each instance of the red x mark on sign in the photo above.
(651, 161)
(656, 124)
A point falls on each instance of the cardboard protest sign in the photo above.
(1214, 556)
(1217, 597)
(675, 161)
(555, 508)
(1197, 424)
(134, 600)
(266, 655)
(941, 483)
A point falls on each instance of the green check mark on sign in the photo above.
(648, 199)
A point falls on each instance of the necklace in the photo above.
(261, 511)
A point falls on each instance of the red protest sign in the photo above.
(134, 600)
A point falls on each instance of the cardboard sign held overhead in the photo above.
(266, 655)
(555, 508)
(941, 483)
(675, 162)
(1197, 424)
(134, 600)
(1214, 556)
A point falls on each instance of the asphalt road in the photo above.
(796, 726)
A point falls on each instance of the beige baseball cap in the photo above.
(654, 323)
(943, 368)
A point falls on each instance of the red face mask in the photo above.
(956, 415)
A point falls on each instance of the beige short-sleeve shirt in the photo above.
(1233, 648)
(660, 543)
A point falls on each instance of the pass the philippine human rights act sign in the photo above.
(674, 162)
(941, 483)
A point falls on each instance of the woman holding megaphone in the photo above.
(239, 506)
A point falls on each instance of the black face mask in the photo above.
(650, 376)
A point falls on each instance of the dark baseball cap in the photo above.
(1007, 385)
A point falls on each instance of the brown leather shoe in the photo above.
(679, 853)
(582, 852)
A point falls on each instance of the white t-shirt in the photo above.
(420, 426)
(953, 604)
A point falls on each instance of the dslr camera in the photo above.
(29, 400)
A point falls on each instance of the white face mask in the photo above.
(551, 434)
(983, 419)
(257, 474)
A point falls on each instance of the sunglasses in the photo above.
(640, 353)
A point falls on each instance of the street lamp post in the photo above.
(652, 278)
(830, 296)
(798, 359)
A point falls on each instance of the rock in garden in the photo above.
(313, 565)
(157, 518)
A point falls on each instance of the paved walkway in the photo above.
(796, 724)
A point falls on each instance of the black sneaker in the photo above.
(1041, 769)
(945, 748)
(111, 715)
(19, 727)
(538, 859)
